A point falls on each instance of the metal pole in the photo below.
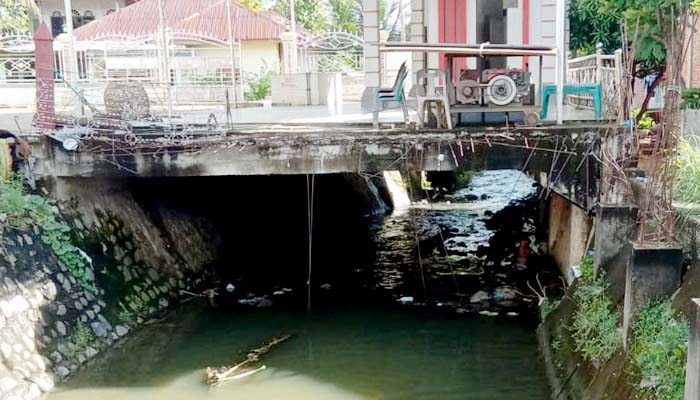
(561, 56)
(403, 21)
(293, 16)
(71, 72)
(165, 64)
(231, 46)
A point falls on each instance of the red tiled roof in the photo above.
(186, 18)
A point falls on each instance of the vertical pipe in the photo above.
(72, 68)
(403, 21)
(561, 55)
(231, 46)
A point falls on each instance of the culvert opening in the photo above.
(385, 323)
(469, 243)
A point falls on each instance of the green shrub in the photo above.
(659, 349)
(691, 98)
(259, 85)
(594, 328)
(646, 122)
(20, 210)
(462, 178)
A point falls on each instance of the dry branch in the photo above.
(223, 374)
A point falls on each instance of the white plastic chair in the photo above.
(431, 87)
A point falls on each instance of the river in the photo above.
(345, 354)
(359, 342)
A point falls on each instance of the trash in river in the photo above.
(479, 297)
(230, 288)
(406, 300)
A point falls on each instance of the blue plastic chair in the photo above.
(393, 94)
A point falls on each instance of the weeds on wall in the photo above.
(80, 339)
(594, 328)
(659, 350)
(21, 210)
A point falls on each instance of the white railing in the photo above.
(597, 68)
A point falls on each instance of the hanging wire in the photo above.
(411, 212)
(310, 186)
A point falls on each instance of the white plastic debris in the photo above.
(406, 300)
(230, 288)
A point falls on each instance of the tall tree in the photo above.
(347, 15)
(591, 23)
(14, 15)
(311, 14)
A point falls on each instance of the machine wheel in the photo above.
(501, 90)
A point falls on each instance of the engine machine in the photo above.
(496, 86)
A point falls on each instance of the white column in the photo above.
(370, 23)
(417, 33)
(561, 56)
(71, 70)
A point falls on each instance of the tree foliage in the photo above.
(347, 15)
(591, 23)
(310, 14)
(255, 5)
(14, 15)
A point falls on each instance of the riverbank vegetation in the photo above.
(22, 210)
(595, 323)
(687, 190)
(659, 350)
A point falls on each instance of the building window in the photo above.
(88, 16)
(57, 22)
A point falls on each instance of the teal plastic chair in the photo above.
(592, 89)
(393, 94)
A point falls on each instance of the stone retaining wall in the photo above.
(140, 256)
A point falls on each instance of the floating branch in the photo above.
(216, 376)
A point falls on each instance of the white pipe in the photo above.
(403, 21)
(561, 56)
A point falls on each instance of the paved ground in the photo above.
(12, 118)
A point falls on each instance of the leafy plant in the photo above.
(259, 85)
(687, 189)
(659, 349)
(462, 178)
(595, 322)
(547, 306)
(21, 210)
(645, 121)
(81, 338)
(691, 98)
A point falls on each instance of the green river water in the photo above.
(345, 354)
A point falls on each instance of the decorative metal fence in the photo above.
(597, 68)
(333, 52)
(16, 57)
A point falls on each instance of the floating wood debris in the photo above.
(223, 374)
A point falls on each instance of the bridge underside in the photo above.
(557, 157)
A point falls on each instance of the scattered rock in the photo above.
(43, 380)
(61, 309)
(62, 372)
(99, 328)
(90, 352)
(121, 330)
(61, 328)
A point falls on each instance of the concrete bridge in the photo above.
(557, 157)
